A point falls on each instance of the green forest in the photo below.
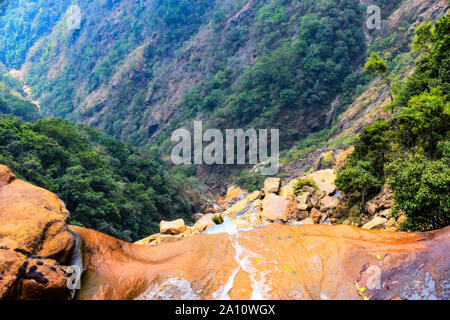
(106, 185)
(411, 150)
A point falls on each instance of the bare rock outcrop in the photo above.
(35, 242)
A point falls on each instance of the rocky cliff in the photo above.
(274, 260)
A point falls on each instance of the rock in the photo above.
(392, 223)
(340, 212)
(301, 215)
(314, 200)
(152, 240)
(172, 227)
(189, 231)
(341, 157)
(188, 268)
(371, 208)
(204, 223)
(198, 216)
(167, 238)
(35, 242)
(328, 203)
(241, 223)
(235, 209)
(253, 196)
(273, 207)
(304, 201)
(384, 200)
(307, 221)
(252, 217)
(324, 180)
(272, 185)
(285, 216)
(385, 213)
(325, 161)
(287, 192)
(376, 223)
(316, 215)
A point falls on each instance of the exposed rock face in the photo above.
(34, 241)
(287, 262)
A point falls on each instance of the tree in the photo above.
(420, 188)
(424, 118)
(377, 66)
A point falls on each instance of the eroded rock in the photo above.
(35, 242)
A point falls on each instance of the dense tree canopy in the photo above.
(105, 184)
(411, 150)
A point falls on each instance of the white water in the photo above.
(171, 289)
(242, 257)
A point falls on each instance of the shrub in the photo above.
(420, 188)
(306, 182)
(217, 219)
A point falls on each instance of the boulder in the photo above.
(301, 215)
(384, 200)
(371, 207)
(152, 240)
(272, 185)
(172, 227)
(385, 213)
(324, 181)
(392, 223)
(376, 223)
(304, 201)
(325, 161)
(253, 196)
(287, 191)
(273, 207)
(328, 203)
(35, 242)
(241, 223)
(307, 221)
(340, 212)
(167, 238)
(204, 223)
(236, 209)
(316, 215)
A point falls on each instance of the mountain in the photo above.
(138, 70)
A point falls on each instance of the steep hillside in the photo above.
(140, 69)
(12, 98)
(133, 67)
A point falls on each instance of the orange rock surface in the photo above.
(274, 262)
(34, 241)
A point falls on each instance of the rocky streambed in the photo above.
(270, 260)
